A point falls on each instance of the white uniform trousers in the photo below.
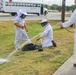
(47, 43)
(21, 34)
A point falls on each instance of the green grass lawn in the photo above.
(34, 62)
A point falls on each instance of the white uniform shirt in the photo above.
(48, 36)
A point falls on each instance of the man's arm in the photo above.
(44, 33)
(25, 27)
(18, 25)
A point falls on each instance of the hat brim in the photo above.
(44, 22)
(23, 12)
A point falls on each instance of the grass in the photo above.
(34, 62)
(67, 15)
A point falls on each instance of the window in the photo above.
(28, 4)
(31, 5)
(34, 5)
(23, 4)
(38, 5)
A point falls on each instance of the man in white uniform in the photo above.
(45, 11)
(47, 34)
(71, 21)
(20, 28)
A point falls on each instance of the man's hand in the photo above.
(26, 30)
(61, 26)
(38, 39)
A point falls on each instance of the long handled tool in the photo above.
(56, 25)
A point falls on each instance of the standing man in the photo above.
(20, 28)
(71, 20)
(45, 11)
(47, 34)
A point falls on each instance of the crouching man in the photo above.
(47, 34)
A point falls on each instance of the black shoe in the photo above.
(40, 50)
(74, 64)
(54, 44)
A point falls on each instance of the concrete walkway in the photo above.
(67, 68)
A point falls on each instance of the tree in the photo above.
(47, 6)
(67, 8)
(59, 8)
(54, 7)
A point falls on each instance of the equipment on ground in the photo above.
(29, 47)
(32, 46)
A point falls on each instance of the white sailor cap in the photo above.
(44, 20)
(23, 11)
